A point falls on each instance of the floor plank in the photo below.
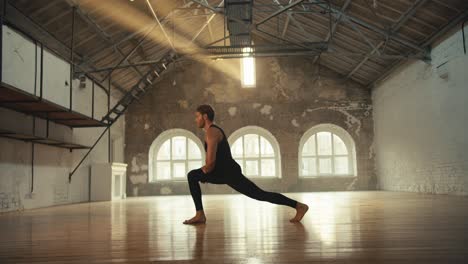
(340, 227)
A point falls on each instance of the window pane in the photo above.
(325, 165)
(268, 167)
(237, 148)
(309, 167)
(241, 163)
(164, 152)
(178, 148)
(163, 170)
(193, 165)
(251, 167)
(251, 145)
(324, 143)
(341, 165)
(265, 148)
(193, 150)
(178, 169)
(340, 147)
(309, 147)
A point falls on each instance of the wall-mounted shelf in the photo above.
(40, 140)
(20, 101)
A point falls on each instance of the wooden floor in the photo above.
(343, 227)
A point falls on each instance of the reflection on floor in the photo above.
(340, 227)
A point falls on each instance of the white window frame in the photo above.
(270, 138)
(156, 145)
(347, 140)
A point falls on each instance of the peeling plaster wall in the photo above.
(421, 123)
(289, 99)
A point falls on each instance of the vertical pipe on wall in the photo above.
(463, 34)
(224, 24)
(47, 126)
(92, 102)
(71, 55)
(35, 67)
(109, 133)
(32, 168)
(41, 85)
(2, 16)
(32, 155)
(4, 7)
(1, 48)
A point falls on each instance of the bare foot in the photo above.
(197, 219)
(301, 210)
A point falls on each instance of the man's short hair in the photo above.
(208, 110)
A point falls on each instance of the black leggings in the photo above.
(239, 183)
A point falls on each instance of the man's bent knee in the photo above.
(193, 173)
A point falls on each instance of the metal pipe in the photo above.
(32, 167)
(4, 7)
(35, 68)
(1, 46)
(32, 155)
(92, 102)
(109, 132)
(41, 85)
(47, 126)
(71, 56)
(463, 33)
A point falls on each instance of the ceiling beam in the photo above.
(310, 37)
(90, 58)
(449, 26)
(376, 29)
(160, 25)
(43, 8)
(285, 28)
(332, 31)
(280, 11)
(408, 14)
(207, 23)
(99, 31)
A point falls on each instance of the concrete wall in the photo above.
(289, 99)
(421, 123)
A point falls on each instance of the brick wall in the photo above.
(289, 99)
(420, 118)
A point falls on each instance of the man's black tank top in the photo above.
(224, 158)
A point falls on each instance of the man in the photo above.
(221, 168)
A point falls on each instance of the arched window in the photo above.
(257, 152)
(173, 154)
(327, 150)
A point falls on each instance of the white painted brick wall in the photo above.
(421, 124)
